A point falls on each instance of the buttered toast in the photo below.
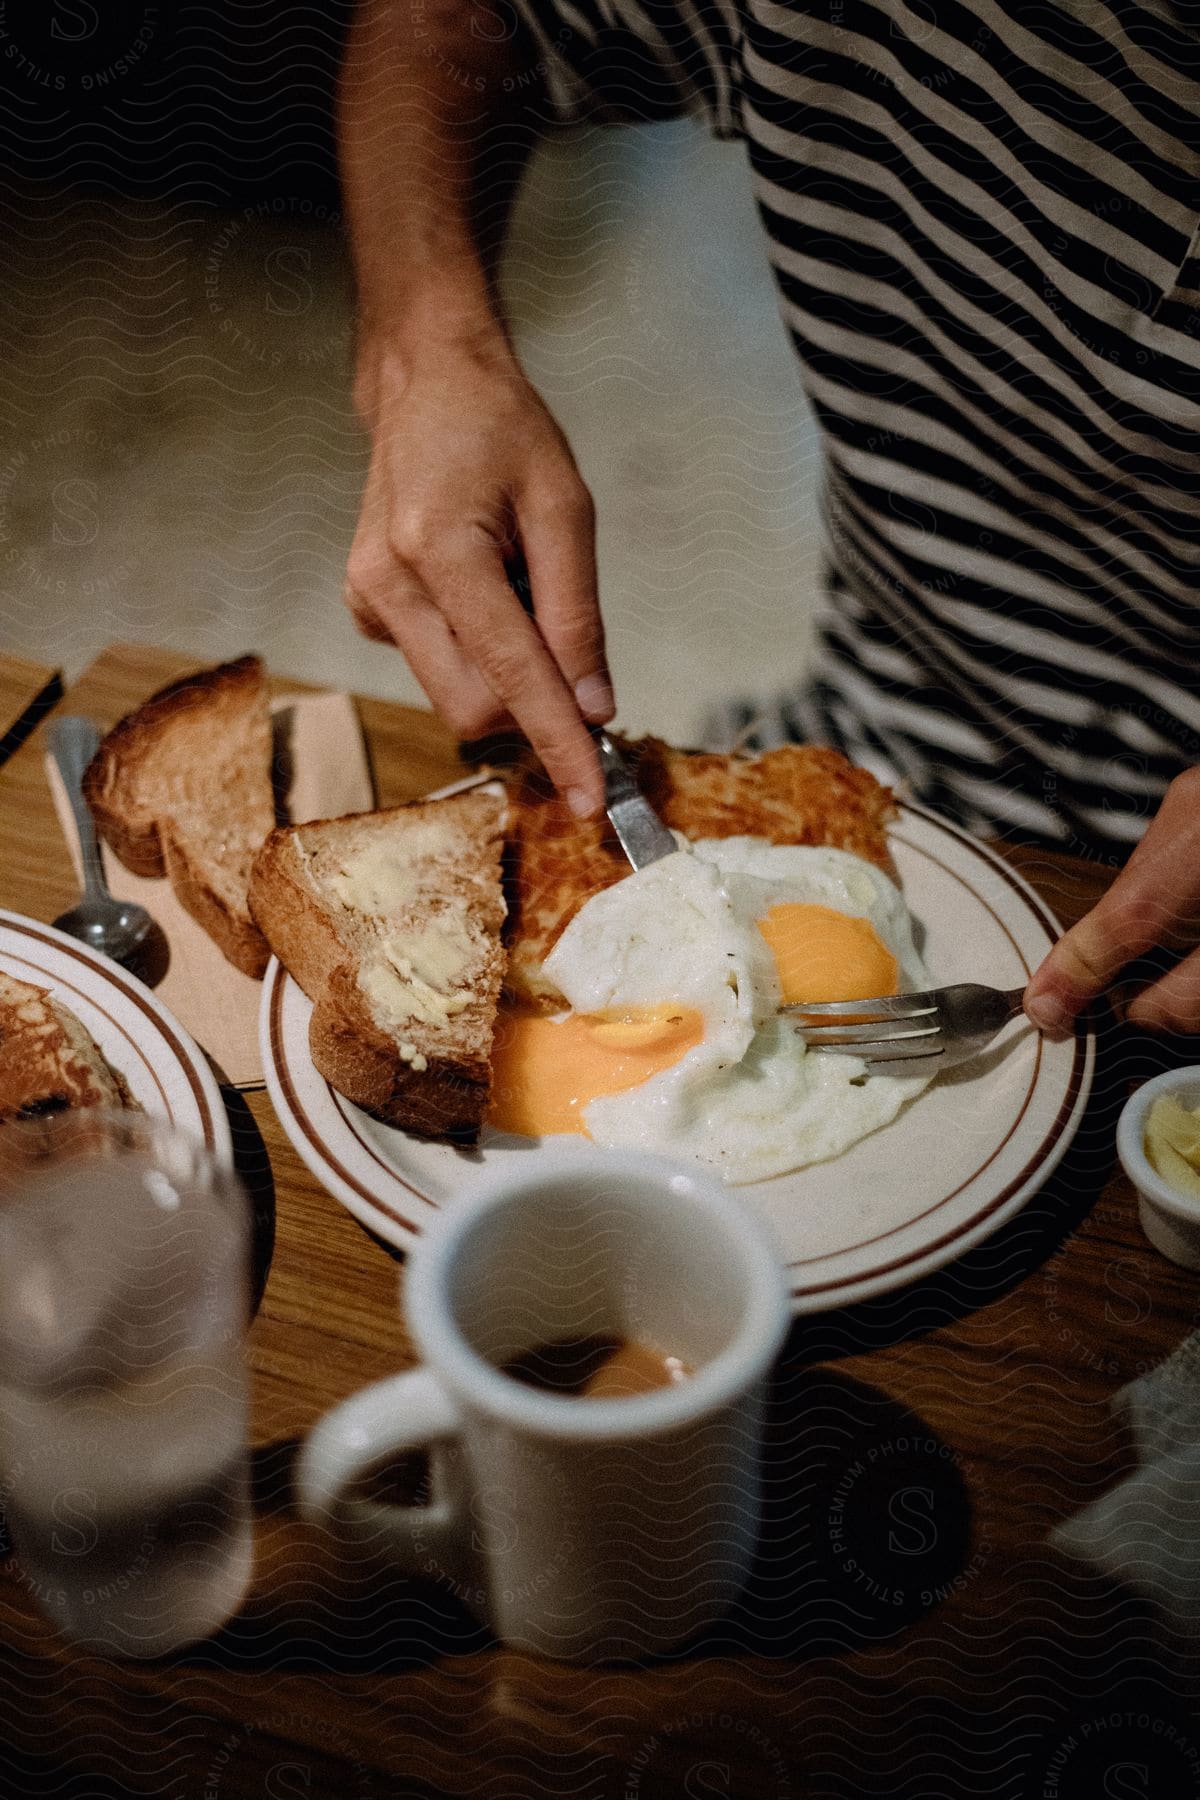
(390, 922)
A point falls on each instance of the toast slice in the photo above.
(48, 1058)
(390, 922)
(182, 788)
(798, 794)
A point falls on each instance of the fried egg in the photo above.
(674, 1041)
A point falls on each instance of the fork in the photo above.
(943, 1026)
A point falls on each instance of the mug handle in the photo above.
(412, 1411)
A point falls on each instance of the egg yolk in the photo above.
(823, 955)
(545, 1071)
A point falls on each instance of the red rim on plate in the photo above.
(383, 1177)
(166, 1070)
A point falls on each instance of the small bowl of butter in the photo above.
(1158, 1142)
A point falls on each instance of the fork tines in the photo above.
(955, 1021)
(887, 1006)
(867, 1028)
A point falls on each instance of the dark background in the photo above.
(214, 102)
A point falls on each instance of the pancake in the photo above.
(49, 1061)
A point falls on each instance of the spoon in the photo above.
(116, 928)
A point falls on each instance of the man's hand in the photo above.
(467, 467)
(1153, 904)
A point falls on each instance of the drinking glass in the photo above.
(124, 1469)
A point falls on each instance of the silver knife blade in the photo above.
(643, 836)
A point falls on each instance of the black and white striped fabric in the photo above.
(984, 221)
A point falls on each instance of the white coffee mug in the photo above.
(573, 1527)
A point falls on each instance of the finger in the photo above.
(365, 618)
(558, 537)
(1155, 901)
(484, 614)
(1172, 1003)
(365, 395)
(452, 681)
(406, 615)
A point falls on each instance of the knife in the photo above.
(643, 836)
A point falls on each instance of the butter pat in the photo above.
(380, 986)
(437, 953)
(1172, 1144)
(417, 972)
(398, 1002)
(375, 881)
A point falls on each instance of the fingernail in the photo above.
(1049, 1015)
(580, 802)
(594, 696)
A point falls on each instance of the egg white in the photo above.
(749, 1101)
(759, 875)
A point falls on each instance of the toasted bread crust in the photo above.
(298, 931)
(240, 940)
(447, 1098)
(136, 839)
(143, 834)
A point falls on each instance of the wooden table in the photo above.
(908, 1631)
(27, 692)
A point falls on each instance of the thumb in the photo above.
(1083, 963)
(1154, 901)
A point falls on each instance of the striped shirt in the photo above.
(984, 225)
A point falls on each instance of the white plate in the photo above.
(166, 1071)
(964, 1156)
